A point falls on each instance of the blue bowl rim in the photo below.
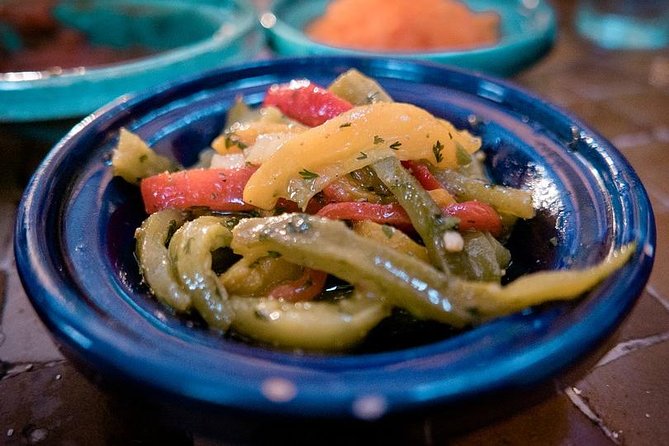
(340, 392)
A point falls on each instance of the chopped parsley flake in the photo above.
(346, 124)
(373, 96)
(231, 140)
(378, 139)
(396, 145)
(171, 229)
(473, 312)
(308, 175)
(362, 156)
(437, 148)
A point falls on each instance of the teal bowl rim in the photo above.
(40, 84)
(537, 42)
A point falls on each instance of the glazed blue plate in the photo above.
(74, 249)
(528, 30)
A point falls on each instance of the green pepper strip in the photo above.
(358, 89)
(425, 215)
(328, 245)
(321, 326)
(190, 252)
(492, 299)
(508, 200)
(152, 238)
(183, 273)
(406, 282)
(133, 159)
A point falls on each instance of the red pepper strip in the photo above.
(388, 214)
(306, 102)
(423, 175)
(217, 189)
(336, 192)
(343, 190)
(306, 287)
(476, 215)
(473, 215)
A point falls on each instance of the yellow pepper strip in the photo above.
(305, 164)
(241, 136)
(441, 197)
(252, 276)
(392, 237)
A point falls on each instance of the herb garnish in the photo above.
(308, 175)
(373, 96)
(363, 156)
(378, 139)
(232, 140)
(396, 145)
(437, 149)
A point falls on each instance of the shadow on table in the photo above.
(24, 145)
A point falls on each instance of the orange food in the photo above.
(404, 25)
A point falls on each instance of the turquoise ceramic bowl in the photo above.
(184, 37)
(528, 31)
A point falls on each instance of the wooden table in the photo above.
(623, 399)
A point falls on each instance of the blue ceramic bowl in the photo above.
(74, 250)
(528, 30)
(184, 37)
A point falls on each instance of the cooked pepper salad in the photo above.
(338, 206)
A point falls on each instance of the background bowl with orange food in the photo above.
(495, 37)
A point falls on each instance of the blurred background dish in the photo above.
(100, 49)
(404, 26)
(527, 31)
(624, 24)
(74, 252)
